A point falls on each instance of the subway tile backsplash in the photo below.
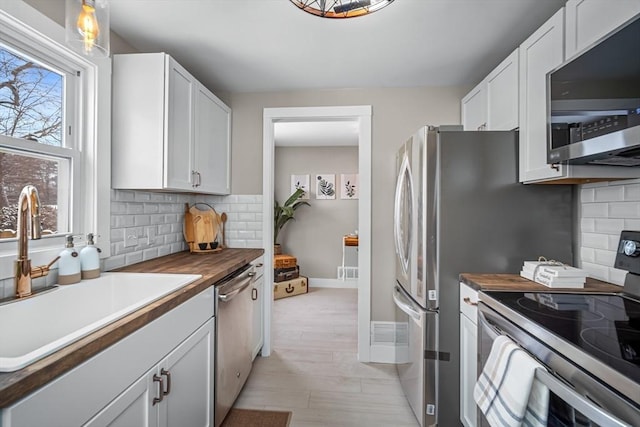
(606, 209)
(155, 219)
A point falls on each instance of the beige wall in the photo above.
(397, 113)
(315, 237)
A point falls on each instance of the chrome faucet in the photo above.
(28, 204)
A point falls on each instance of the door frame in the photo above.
(362, 115)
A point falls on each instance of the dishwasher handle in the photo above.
(235, 288)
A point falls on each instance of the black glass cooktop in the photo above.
(607, 327)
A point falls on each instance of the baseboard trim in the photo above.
(332, 283)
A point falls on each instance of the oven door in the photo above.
(570, 404)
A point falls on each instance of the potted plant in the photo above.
(284, 213)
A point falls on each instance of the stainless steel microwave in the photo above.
(593, 103)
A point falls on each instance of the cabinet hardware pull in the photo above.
(467, 300)
(254, 294)
(168, 375)
(259, 265)
(555, 166)
(193, 179)
(199, 179)
(159, 380)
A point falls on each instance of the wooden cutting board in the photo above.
(205, 225)
(202, 228)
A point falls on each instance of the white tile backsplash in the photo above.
(156, 218)
(606, 209)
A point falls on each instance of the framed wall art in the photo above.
(325, 186)
(349, 186)
(300, 181)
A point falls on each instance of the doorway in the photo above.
(361, 115)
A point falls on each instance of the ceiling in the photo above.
(269, 45)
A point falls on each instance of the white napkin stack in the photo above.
(553, 274)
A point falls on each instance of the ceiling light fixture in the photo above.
(87, 26)
(340, 8)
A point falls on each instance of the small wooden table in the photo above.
(347, 240)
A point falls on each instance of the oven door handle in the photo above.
(577, 401)
(486, 326)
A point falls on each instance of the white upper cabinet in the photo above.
(179, 161)
(502, 95)
(541, 53)
(590, 20)
(169, 132)
(212, 143)
(474, 108)
(493, 104)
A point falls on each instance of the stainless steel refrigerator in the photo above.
(459, 208)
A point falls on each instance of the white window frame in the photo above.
(91, 205)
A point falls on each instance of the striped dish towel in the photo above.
(507, 392)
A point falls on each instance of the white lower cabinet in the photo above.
(468, 355)
(121, 386)
(177, 391)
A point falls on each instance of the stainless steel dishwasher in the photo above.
(234, 322)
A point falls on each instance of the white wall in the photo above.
(315, 236)
(605, 210)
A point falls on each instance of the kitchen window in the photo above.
(54, 133)
(37, 137)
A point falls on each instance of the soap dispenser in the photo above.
(69, 264)
(90, 259)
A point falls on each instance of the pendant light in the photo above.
(340, 8)
(87, 26)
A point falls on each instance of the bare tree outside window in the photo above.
(31, 108)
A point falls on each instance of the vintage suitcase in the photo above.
(290, 288)
(282, 274)
(284, 261)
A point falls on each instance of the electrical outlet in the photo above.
(130, 238)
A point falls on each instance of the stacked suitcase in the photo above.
(286, 277)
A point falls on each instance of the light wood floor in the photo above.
(313, 370)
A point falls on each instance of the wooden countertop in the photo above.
(514, 282)
(212, 267)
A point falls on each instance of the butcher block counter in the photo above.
(514, 282)
(213, 267)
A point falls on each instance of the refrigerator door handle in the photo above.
(405, 305)
(404, 174)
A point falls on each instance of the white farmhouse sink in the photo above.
(35, 327)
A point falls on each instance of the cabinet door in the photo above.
(134, 407)
(589, 20)
(179, 155)
(189, 375)
(212, 143)
(474, 108)
(502, 95)
(539, 54)
(257, 295)
(468, 371)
